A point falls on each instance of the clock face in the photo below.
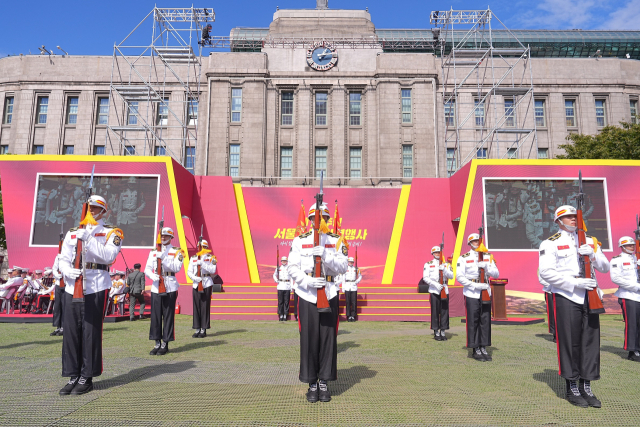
(322, 56)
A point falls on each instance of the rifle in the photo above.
(486, 298)
(443, 292)
(322, 301)
(637, 233)
(61, 284)
(162, 290)
(595, 304)
(278, 263)
(356, 262)
(199, 272)
(78, 288)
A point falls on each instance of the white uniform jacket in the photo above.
(431, 275)
(285, 279)
(56, 270)
(558, 264)
(301, 263)
(351, 278)
(467, 271)
(98, 251)
(546, 287)
(117, 286)
(208, 269)
(623, 273)
(172, 263)
(10, 282)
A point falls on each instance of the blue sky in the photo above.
(91, 28)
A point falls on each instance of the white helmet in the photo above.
(565, 210)
(350, 259)
(167, 231)
(471, 238)
(98, 201)
(435, 249)
(626, 240)
(284, 258)
(204, 244)
(131, 180)
(325, 211)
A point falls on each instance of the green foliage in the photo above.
(612, 142)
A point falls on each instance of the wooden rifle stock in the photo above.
(443, 292)
(162, 290)
(278, 264)
(199, 272)
(323, 302)
(595, 304)
(78, 288)
(484, 295)
(61, 285)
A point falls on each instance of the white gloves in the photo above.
(585, 283)
(481, 286)
(198, 262)
(73, 273)
(586, 250)
(316, 282)
(638, 262)
(482, 264)
(438, 286)
(82, 234)
(318, 251)
(154, 277)
(197, 280)
(441, 267)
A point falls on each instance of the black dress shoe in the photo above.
(202, 334)
(486, 355)
(60, 333)
(477, 354)
(323, 393)
(634, 355)
(164, 349)
(312, 393)
(154, 350)
(196, 334)
(443, 336)
(132, 319)
(55, 333)
(141, 317)
(437, 337)
(587, 394)
(66, 390)
(85, 385)
(573, 395)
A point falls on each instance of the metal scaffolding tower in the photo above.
(155, 88)
(487, 92)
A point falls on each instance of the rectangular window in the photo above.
(570, 112)
(8, 110)
(286, 162)
(355, 162)
(479, 113)
(43, 107)
(190, 159)
(482, 153)
(321, 109)
(452, 164)
(321, 161)
(541, 120)
(407, 161)
(450, 113)
(132, 118)
(103, 111)
(161, 151)
(601, 113)
(67, 149)
(234, 160)
(192, 113)
(4, 149)
(543, 153)
(355, 101)
(99, 150)
(512, 153)
(286, 110)
(236, 105)
(129, 150)
(509, 113)
(406, 105)
(38, 149)
(633, 109)
(72, 110)
(163, 113)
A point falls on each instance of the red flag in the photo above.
(301, 226)
(337, 229)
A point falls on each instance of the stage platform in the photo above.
(48, 318)
(514, 321)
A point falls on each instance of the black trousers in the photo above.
(202, 308)
(578, 339)
(548, 298)
(132, 304)
(351, 303)
(295, 304)
(82, 339)
(318, 341)
(283, 302)
(163, 311)
(439, 312)
(631, 314)
(478, 322)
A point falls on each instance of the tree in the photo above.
(612, 142)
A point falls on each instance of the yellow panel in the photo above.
(396, 234)
(246, 235)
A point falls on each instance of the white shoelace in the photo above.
(313, 387)
(82, 381)
(573, 385)
(72, 380)
(323, 387)
(483, 350)
(587, 388)
(636, 353)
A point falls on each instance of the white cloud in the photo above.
(560, 14)
(626, 17)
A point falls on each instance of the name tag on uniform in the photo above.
(73, 236)
(101, 234)
(469, 261)
(563, 247)
(329, 246)
(307, 246)
(627, 263)
(432, 266)
(154, 255)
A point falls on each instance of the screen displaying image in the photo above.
(132, 206)
(519, 213)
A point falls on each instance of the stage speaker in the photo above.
(217, 284)
(423, 287)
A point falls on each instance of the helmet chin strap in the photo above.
(570, 228)
(627, 251)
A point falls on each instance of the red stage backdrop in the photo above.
(367, 216)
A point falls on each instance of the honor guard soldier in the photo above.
(318, 330)
(82, 321)
(117, 293)
(58, 298)
(163, 307)
(281, 277)
(577, 330)
(548, 300)
(202, 294)
(439, 307)
(624, 273)
(478, 312)
(350, 281)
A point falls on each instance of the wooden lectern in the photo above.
(498, 298)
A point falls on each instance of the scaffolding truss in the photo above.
(155, 88)
(487, 92)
